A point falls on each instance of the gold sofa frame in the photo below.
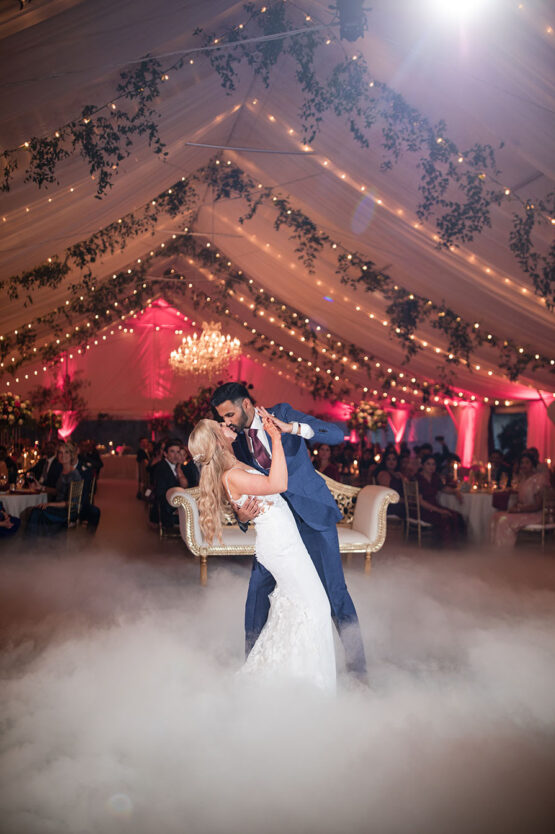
(375, 498)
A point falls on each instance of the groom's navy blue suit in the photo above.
(316, 515)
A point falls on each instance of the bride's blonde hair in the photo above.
(208, 453)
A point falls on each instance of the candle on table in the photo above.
(489, 473)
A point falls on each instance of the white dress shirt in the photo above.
(305, 431)
(173, 467)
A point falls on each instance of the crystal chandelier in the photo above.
(206, 354)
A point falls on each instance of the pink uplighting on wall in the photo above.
(398, 419)
(69, 424)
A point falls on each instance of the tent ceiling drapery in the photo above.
(491, 83)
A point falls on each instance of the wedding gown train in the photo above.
(297, 639)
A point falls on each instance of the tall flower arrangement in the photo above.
(367, 416)
(14, 411)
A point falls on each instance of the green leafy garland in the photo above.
(406, 311)
(349, 91)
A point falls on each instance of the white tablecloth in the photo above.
(476, 509)
(15, 504)
(122, 467)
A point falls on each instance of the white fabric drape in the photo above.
(471, 421)
(541, 429)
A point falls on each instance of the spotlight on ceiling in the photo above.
(352, 20)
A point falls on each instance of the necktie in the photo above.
(260, 454)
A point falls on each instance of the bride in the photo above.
(297, 640)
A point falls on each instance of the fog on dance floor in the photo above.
(121, 711)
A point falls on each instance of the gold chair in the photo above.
(74, 503)
(547, 524)
(413, 519)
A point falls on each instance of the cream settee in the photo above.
(362, 529)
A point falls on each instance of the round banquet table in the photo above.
(15, 502)
(476, 509)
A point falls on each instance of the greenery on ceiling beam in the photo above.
(98, 306)
(104, 134)
(407, 311)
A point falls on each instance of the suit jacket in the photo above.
(306, 492)
(163, 479)
(191, 473)
(53, 473)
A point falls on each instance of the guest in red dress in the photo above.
(389, 475)
(449, 524)
(324, 464)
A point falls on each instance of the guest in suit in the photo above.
(165, 475)
(188, 469)
(313, 507)
(48, 468)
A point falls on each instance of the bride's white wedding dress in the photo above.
(297, 640)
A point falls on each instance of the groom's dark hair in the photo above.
(231, 391)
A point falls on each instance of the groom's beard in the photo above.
(242, 422)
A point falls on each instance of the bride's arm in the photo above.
(244, 483)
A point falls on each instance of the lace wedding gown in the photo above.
(297, 639)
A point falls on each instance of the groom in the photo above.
(310, 501)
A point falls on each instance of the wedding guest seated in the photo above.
(367, 465)
(166, 474)
(323, 462)
(9, 524)
(50, 518)
(388, 474)
(449, 525)
(526, 509)
(423, 450)
(500, 469)
(48, 468)
(409, 466)
(187, 470)
(541, 466)
(8, 467)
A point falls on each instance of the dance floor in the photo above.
(121, 712)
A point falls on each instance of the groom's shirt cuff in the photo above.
(306, 431)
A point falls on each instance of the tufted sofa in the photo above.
(361, 530)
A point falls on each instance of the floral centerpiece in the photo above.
(50, 420)
(366, 416)
(14, 412)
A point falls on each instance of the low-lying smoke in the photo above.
(122, 712)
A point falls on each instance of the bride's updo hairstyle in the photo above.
(208, 453)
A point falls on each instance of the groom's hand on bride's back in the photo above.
(248, 511)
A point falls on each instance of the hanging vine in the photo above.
(407, 311)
